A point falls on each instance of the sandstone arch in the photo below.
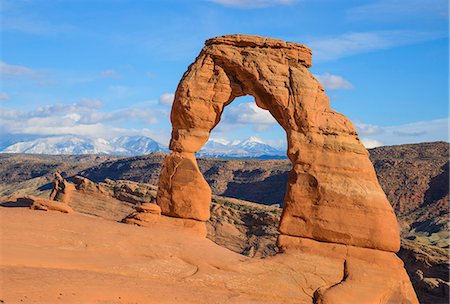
(333, 194)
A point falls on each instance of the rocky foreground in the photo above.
(248, 228)
(243, 227)
(80, 259)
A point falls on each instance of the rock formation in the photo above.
(149, 215)
(146, 213)
(62, 190)
(35, 203)
(333, 201)
(38, 203)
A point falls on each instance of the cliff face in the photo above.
(414, 178)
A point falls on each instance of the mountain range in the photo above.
(252, 147)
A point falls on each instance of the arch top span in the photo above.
(292, 51)
(333, 194)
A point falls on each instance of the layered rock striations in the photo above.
(333, 203)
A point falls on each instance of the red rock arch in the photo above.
(333, 194)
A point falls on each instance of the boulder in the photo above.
(39, 203)
(149, 208)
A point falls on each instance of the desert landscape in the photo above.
(224, 151)
(247, 228)
(333, 241)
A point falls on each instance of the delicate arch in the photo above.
(333, 194)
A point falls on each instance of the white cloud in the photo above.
(4, 96)
(110, 74)
(371, 143)
(333, 82)
(421, 131)
(252, 3)
(83, 118)
(166, 99)
(249, 113)
(161, 135)
(331, 48)
(368, 129)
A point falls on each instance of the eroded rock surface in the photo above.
(182, 182)
(333, 193)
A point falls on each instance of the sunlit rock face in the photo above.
(333, 193)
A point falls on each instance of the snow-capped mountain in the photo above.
(254, 145)
(139, 145)
(71, 144)
(251, 147)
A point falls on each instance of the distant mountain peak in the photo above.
(74, 144)
(252, 147)
(254, 139)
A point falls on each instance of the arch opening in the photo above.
(245, 131)
(250, 179)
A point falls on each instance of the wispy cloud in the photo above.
(247, 4)
(23, 16)
(4, 96)
(421, 131)
(166, 99)
(110, 74)
(348, 44)
(91, 103)
(333, 82)
(395, 10)
(12, 71)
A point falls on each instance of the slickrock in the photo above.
(333, 195)
(369, 275)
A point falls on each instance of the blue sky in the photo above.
(108, 68)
